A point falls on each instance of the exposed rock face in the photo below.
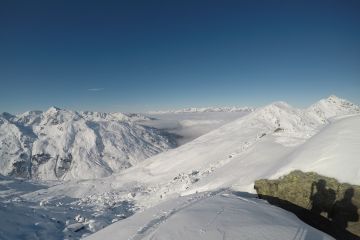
(322, 196)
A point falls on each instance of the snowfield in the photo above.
(220, 215)
(333, 152)
(189, 192)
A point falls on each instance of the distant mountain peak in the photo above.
(280, 104)
(65, 144)
(334, 97)
(335, 100)
(205, 109)
(53, 108)
(330, 107)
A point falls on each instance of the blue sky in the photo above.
(149, 55)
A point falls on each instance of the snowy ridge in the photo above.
(63, 144)
(332, 152)
(258, 144)
(234, 156)
(205, 109)
(331, 107)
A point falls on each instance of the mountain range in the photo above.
(64, 144)
(201, 189)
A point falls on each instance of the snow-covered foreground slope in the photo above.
(62, 144)
(333, 151)
(209, 216)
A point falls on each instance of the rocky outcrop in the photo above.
(329, 203)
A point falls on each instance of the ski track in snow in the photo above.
(208, 224)
(155, 223)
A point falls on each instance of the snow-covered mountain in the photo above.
(330, 107)
(267, 143)
(63, 144)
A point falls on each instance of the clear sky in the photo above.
(148, 55)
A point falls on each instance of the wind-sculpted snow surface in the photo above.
(52, 218)
(62, 144)
(212, 216)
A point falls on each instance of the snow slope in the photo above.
(265, 144)
(234, 155)
(332, 106)
(333, 152)
(63, 144)
(211, 216)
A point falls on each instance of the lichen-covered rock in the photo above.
(339, 202)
